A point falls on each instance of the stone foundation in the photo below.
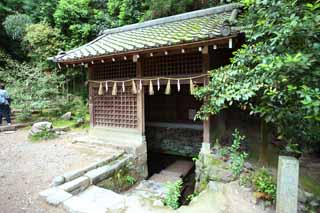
(209, 168)
(176, 141)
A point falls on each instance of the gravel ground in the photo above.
(26, 168)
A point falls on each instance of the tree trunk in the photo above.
(263, 155)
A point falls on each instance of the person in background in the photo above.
(4, 105)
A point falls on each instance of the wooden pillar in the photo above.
(205, 68)
(140, 102)
(90, 76)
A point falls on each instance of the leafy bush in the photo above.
(246, 179)
(24, 115)
(74, 104)
(29, 87)
(15, 25)
(275, 75)
(192, 196)
(47, 134)
(130, 180)
(42, 41)
(173, 194)
(237, 157)
(263, 182)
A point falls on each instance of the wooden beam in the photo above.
(206, 123)
(222, 41)
(140, 103)
(91, 112)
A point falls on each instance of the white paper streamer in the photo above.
(178, 85)
(123, 87)
(107, 88)
(158, 83)
(140, 85)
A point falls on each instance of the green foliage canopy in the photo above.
(15, 25)
(42, 41)
(276, 75)
(29, 87)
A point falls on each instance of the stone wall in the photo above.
(176, 141)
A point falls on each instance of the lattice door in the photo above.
(115, 111)
(114, 70)
(171, 65)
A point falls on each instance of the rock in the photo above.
(302, 196)
(57, 181)
(248, 166)
(40, 127)
(314, 203)
(66, 116)
(308, 195)
(158, 203)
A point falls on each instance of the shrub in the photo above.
(263, 182)
(246, 180)
(173, 194)
(43, 135)
(130, 180)
(236, 155)
(24, 115)
(15, 25)
(192, 196)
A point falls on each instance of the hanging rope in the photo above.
(151, 90)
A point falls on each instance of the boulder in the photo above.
(248, 166)
(66, 116)
(40, 127)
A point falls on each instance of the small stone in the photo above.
(248, 166)
(158, 203)
(57, 181)
(302, 196)
(66, 116)
(314, 203)
(308, 195)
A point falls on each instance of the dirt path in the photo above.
(27, 168)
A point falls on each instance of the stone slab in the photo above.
(78, 205)
(160, 178)
(180, 166)
(169, 173)
(55, 196)
(104, 198)
(287, 185)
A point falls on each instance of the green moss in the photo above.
(63, 123)
(42, 136)
(120, 181)
(310, 184)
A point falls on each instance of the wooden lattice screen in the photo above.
(114, 70)
(181, 64)
(115, 111)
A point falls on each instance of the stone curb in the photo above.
(103, 172)
(77, 185)
(69, 176)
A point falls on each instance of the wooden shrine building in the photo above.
(141, 77)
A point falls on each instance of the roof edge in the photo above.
(179, 17)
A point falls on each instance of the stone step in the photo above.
(181, 167)
(169, 173)
(161, 178)
(95, 199)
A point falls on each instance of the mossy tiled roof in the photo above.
(180, 29)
